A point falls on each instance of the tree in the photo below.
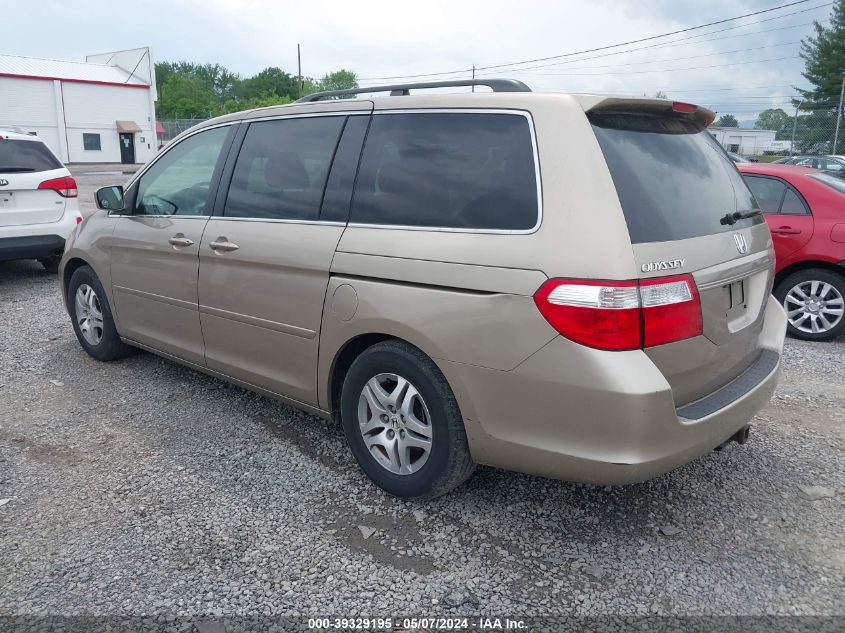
(775, 119)
(727, 120)
(339, 80)
(824, 61)
(660, 95)
(270, 82)
(185, 97)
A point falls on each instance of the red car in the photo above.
(805, 210)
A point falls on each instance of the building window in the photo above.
(91, 141)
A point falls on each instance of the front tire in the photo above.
(814, 300)
(92, 319)
(403, 424)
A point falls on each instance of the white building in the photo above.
(743, 140)
(101, 110)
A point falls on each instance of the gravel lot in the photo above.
(141, 487)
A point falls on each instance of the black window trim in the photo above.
(215, 176)
(235, 150)
(449, 229)
(783, 196)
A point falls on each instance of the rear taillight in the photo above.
(64, 186)
(622, 315)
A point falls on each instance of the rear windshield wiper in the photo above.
(15, 170)
(736, 216)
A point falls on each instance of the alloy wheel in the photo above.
(89, 314)
(814, 307)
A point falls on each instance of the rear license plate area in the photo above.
(735, 302)
(7, 201)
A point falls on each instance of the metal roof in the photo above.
(86, 72)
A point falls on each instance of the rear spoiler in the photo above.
(699, 116)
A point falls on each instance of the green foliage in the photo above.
(775, 119)
(727, 120)
(660, 95)
(187, 90)
(339, 80)
(824, 61)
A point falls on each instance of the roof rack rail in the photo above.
(497, 85)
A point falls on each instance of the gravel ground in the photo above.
(142, 487)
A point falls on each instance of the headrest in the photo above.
(286, 171)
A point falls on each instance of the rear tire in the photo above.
(51, 264)
(92, 319)
(418, 448)
(814, 300)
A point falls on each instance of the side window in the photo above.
(768, 192)
(792, 204)
(830, 165)
(449, 170)
(282, 168)
(342, 177)
(178, 183)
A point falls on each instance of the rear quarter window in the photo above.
(448, 170)
(26, 156)
(673, 180)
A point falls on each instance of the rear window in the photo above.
(835, 182)
(674, 181)
(26, 156)
(448, 170)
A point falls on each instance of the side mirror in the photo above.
(110, 198)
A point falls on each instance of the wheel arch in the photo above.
(807, 264)
(70, 267)
(354, 346)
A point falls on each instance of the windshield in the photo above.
(674, 181)
(25, 156)
(836, 182)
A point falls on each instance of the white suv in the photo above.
(38, 205)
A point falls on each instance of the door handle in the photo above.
(786, 230)
(180, 240)
(224, 245)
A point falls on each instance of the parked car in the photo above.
(805, 210)
(38, 205)
(444, 276)
(737, 158)
(835, 164)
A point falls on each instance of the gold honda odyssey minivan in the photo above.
(574, 286)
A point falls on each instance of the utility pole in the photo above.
(299, 69)
(838, 114)
(794, 125)
(473, 77)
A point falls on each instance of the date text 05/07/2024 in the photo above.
(417, 625)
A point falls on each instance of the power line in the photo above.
(592, 50)
(661, 70)
(676, 59)
(690, 37)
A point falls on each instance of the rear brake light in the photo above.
(64, 186)
(680, 106)
(622, 315)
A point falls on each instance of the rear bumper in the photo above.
(36, 241)
(31, 247)
(579, 414)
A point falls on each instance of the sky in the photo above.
(751, 66)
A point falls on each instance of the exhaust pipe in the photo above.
(740, 437)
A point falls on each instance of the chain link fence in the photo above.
(814, 133)
(168, 129)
